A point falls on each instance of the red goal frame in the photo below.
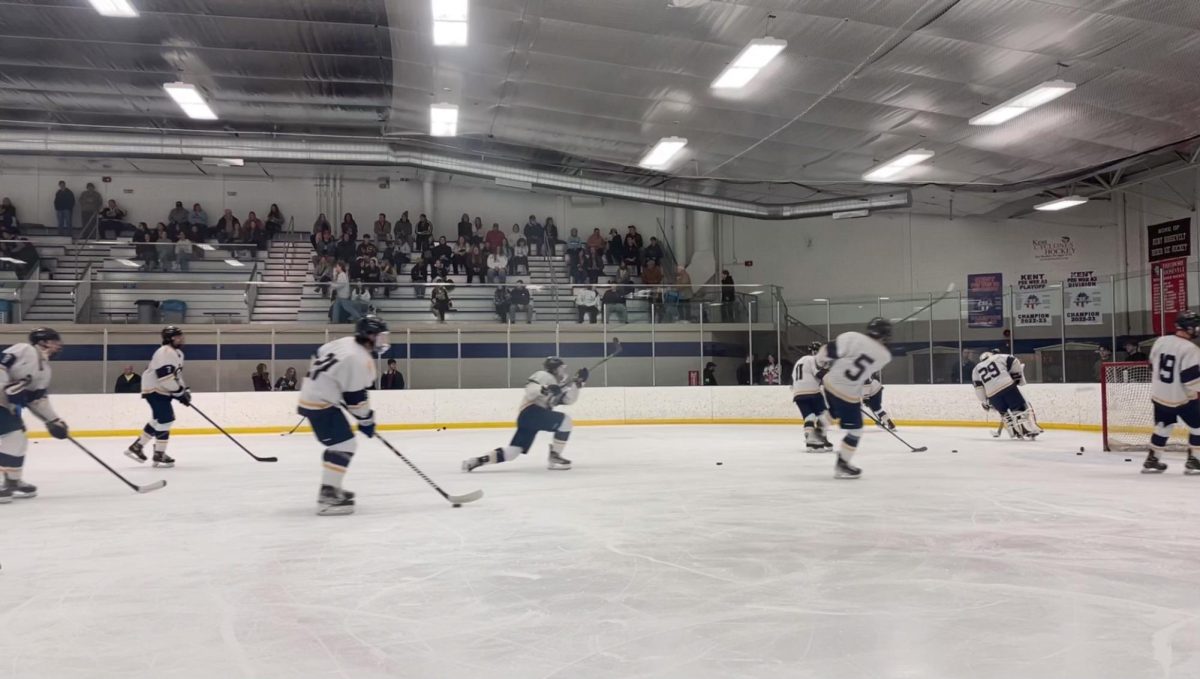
(1104, 391)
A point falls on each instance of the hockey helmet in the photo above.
(985, 356)
(1188, 321)
(553, 365)
(373, 329)
(40, 336)
(880, 328)
(814, 347)
(169, 334)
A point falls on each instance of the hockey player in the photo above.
(1175, 370)
(25, 374)
(852, 358)
(545, 390)
(339, 376)
(997, 379)
(873, 398)
(806, 394)
(162, 384)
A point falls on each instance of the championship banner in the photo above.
(1168, 292)
(985, 300)
(1033, 301)
(1170, 240)
(1084, 301)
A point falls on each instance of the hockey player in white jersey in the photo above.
(1175, 381)
(998, 378)
(162, 385)
(806, 394)
(25, 374)
(873, 398)
(852, 358)
(339, 376)
(545, 390)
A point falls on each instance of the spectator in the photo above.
(770, 372)
(8, 213)
(346, 309)
(745, 371)
(652, 275)
(502, 303)
(90, 202)
(478, 234)
(623, 275)
(632, 231)
(404, 228)
(514, 237)
(464, 227)
(142, 247)
(535, 235)
(325, 245)
(128, 382)
(1133, 353)
(64, 207)
(275, 221)
(199, 218)
(497, 264)
(424, 232)
(261, 379)
(372, 276)
(252, 225)
(495, 239)
(728, 298)
(574, 242)
(257, 235)
(288, 382)
(596, 241)
(178, 214)
(404, 254)
(574, 268)
(321, 224)
(459, 258)
(710, 374)
(387, 274)
(112, 217)
(172, 231)
(391, 378)
(520, 257)
(419, 273)
(341, 281)
(476, 265)
(683, 294)
(183, 251)
(345, 250)
(616, 248)
(227, 228)
(614, 302)
(350, 226)
(442, 252)
(632, 252)
(440, 299)
(166, 246)
(367, 247)
(383, 228)
(521, 301)
(966, 365)
(551, 236)
(653, 252)
(1098, 366)
(593, 264)
(323, 272)
(586, 304)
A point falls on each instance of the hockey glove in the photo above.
(185, 398)
(58, 429)
(582, 376)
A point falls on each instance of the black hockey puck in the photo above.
(1081, 449)
(1079, 453)
(456, 505)
(1128, 460)
(954, 451)
(720, 463)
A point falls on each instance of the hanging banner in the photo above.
(985, 300)
(1168, 292)
(1033, 301)
(1084, 302)
(1053, 249)
(1169, 240)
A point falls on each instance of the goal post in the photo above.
(1127, 415)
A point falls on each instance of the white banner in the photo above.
(1084, 303)
(1033, 301)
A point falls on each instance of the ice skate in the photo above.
(845, 470)
(20, 490)
(557, 461)
(134, 452)
(1152, 465)
(472, 463)
(816, 443)
(334, 502)
(885, 422)
(163, 460)
(1192, 466)
(5, 494)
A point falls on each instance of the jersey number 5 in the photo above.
(1166, 368)
(320, 365)
(861, 364)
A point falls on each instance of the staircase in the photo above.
(55, 302)
(285, 271)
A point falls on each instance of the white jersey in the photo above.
(341, 372)
(1175, 367)
(165, 374)
(25, 375)
(537, 391)
(995, 374)
(873, 386)
(853, 358)
(804, 377)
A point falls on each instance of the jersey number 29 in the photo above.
(320, 365)
(989, 371)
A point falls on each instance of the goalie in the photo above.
(997, 378)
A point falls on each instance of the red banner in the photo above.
(1168, 292)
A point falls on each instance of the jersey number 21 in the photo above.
(320, 365)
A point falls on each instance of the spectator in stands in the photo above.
(275, 221)
(571, 260)
(728, 298)
(439, 270)
(770, 372)
(166, 246)
(587, 303)
(288, 382)
(593, 264)
(323, 272)
(128, 382)
(574, 242)
(652, 277)
(404, 254)
(502, 303)
(440, 299)
(614, 302)
(615, 254)
(142, 247)
(424, 232)
(478, 234)
(442, 252)
(257, 235)
(495, 239)
(346, 309)
(346, 250)
(419, 274)
(226, 228)
(520, 257)
(404, 228)
(64, 207)
(638, 244)
(261, 379)
(112, 217)
(476, 265)
(8, 213)
(90, 202)
(745, 371)
(1133, 353)
(372, 276)
(497, 264)
(967, 365)
(596, 241)
(321, 224)
(391, 378)
(624, 277)
(653, 252)
(350, 226)
(387, 275)
(552, 239)
(197, 226)
(340, 289)
(367, 247)
(325, 245)
(1098, 367)
(683, 294)
(459, 259)
(535, 234)
(382, 228)
(710, 374)
(183, 251)
(514, 237)
(520, 300)
(464, 227)
(252, 224)
(178, 214)
(632, 252)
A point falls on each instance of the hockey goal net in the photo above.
(1128, 416)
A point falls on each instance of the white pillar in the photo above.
(703, 263)
(679, 234)
(427, 199)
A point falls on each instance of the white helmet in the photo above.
(985, 356)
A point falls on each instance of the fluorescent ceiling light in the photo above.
(897, 165)
(1024, 102)
(820, 299)
(1061, 203)
(233, 262)
(747, 64)
(190, 100)
(114, 8)
(443, 120)
(450, 22)
(128, 262)
(660, 156)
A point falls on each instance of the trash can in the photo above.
(6, 311)
(173, 310)
(147, 311)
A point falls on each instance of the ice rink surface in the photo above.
(648, 559)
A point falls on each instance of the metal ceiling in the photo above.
(583, 87)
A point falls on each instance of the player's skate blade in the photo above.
(1192, 467)
(845, 470)
(334, 502)
(1152, 465)
(134, 452)
(5, 495)
(163, 460)
(558, 462)
(472, 463)
(19, 490)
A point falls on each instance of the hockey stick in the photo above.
(235, 441)
(910, 447)
(293, 430)
(616, 343)
(944, 295)
(148, 488)
(453, 499)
